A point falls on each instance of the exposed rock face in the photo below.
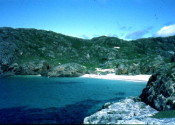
(8, 50)
(67, 70)
(136, 67)
(127, 111)
(160, 89)
(8, 53)
(33, 68)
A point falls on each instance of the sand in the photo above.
(136, 78)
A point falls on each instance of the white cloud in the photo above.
(166, 31)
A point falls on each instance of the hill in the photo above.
(32, 52)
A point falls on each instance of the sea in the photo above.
(42, 100)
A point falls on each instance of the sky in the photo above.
(125, 19)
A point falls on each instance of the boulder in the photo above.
(160, 90)
(127, 111)
(67, 70)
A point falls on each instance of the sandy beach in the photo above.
(119, 77)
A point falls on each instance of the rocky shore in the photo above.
(160, 90)
(127, 111)
(159, 95)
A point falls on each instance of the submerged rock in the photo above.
(127, 111)
(160, 90)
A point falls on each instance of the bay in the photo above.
(41, 100)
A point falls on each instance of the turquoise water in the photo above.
(34, 99)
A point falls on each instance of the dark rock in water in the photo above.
(160, 89)
(67, 70)
(173, 58)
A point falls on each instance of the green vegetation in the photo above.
(140, 56)
(165, 114)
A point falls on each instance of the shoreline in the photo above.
(110, 76)
(134, 78)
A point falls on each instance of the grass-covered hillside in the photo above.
(31, 51)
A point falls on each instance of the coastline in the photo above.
(135, 78)
(110, 76)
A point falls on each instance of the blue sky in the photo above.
(125, 19)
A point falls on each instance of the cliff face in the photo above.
(31, 51)
(160, 89)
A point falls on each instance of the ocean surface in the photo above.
(41, 100)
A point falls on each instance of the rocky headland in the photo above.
(160, 90)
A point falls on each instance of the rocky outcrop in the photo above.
(33, 68)
(138, 66)
(160, 90)
(127, 111)
(8, 52)
(67, 70)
